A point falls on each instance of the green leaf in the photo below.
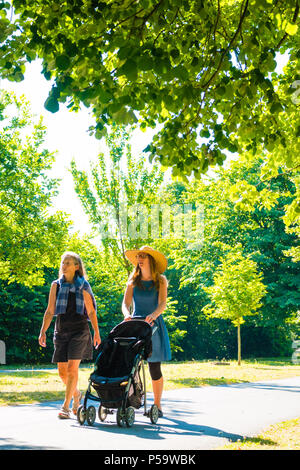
(291, 29)
(174, 53)
(221, 91)
(125, 117)
(104, 96)
(129, 69)
(145, 63)
(99, 126)
(162, 66)
(181, 72)
(62, 62)
(205, 133)
(51, 104)
(276, 107)
(124, 52)
(233, 148)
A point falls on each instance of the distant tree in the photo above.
(292, 220)
(30, 239)
(117, 195)
(236, 293)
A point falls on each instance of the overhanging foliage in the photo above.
(203, 69)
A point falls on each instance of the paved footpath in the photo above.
(194, 419)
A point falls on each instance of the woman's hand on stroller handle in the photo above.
(150, 319)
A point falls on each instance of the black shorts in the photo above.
(72, 345)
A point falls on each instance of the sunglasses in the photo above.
(141, 255)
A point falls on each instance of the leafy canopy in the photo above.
(204, 70)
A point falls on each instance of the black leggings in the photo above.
(155, 370)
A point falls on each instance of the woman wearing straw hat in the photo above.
(147, 290)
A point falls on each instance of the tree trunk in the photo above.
(239, 343)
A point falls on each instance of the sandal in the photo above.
(76, 403)
(64, 413)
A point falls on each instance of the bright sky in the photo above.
(67, 134)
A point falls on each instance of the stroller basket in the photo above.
(112, 391)
(110, 394)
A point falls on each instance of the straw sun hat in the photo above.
(160, 259)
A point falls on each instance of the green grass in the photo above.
(32, 386)
(280, 436)
(201, 373)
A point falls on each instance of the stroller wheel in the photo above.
(81, 414)
(91, 415)
(154, 414)
(102, 413)
(120, 417)
(129, 416)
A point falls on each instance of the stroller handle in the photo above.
(154, 328)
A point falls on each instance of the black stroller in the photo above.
(117, 375)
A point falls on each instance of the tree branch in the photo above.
(296, 12)
(228, 47)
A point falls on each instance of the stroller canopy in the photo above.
(118, 351)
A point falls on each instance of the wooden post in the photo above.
(239, 343)
(2, 353)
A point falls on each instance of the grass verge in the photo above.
(31, 386)
(281, 436)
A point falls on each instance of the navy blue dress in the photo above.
(145, 301)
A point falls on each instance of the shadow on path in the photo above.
(165, 428)
(12, 444)
(265, 386)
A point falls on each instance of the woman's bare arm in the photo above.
(127, 300)
(49, 313)
(89, 305)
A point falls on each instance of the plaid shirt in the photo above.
(77, 286)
